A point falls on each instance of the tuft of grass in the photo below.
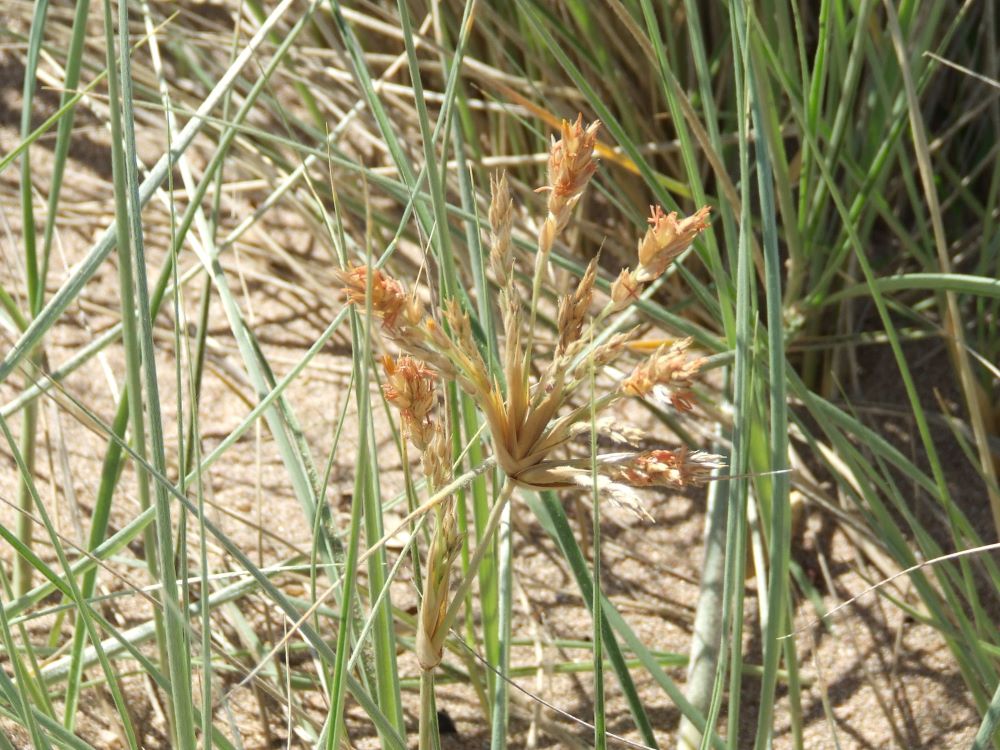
(248, 156)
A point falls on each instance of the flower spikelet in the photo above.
(409, 387)
(445, 546)
(668, 374)
(619, 494)
(390, 303)
(604, 354)
(625, 290)
(501, 222)
(676, 468)
(573, 308)
(666, 238)
(436, 459)
(571, 165)
(475, 378)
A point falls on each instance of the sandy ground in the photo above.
(889, 681)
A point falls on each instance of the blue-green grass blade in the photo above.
(127, 190)
(82, 607)
(989, 730)
(74, 56)
(97, 254)
(774, 503)
(978, 286)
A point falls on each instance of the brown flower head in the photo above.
(409, 387)
(668, 374)
(390, 303)
(666, 239)
(573, 309)
(501, 223)
(676, 468)
(571, 160)
(436, 459)
(571, 165)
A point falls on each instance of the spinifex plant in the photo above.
(534, 415)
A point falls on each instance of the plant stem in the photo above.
(458, 599)
(430, 738)
(536, 290)
(25, 525)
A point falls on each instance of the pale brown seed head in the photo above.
(464, 350)
(388, 297)
(436, 459)
(668, 373)
(573, 308)
(413, 310)
(619, 431)
(501, 222)
(409, 387)
(571, 165)
(624, 497)
(446, 543)
(676, 468)
(609, 351)
(666, 238)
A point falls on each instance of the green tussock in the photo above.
(559, 369)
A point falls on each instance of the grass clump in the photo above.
(205, 482)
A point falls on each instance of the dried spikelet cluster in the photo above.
(571, 165)
(535, 415)
(409, 386)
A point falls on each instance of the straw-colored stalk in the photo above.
(410, 388)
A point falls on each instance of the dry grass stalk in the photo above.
(410, 388)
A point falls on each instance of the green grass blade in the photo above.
(74, 58)
(82, 608)
(127, 190)
(551, 516)
(157, 174)
(988, 730)
(772, 493)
